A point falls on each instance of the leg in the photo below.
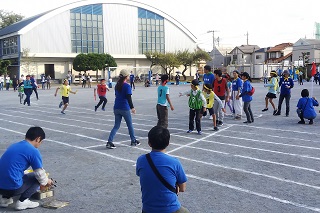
(104, 99)
(198, 123)
(266, 101)
(287, 104)
(134, 87)
(191, 119)
(117, 122)
(246, 110)
(100, 102)
(280, 103)
(162, 113)
(250, 113)
(272, 104)
(35, 91)
(127, 117)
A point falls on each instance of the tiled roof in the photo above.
(19, 25)
(248, 48)
(279, 47)
(278, 60)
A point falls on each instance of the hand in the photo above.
(133, 110)
(204, 109)
(237, 97)
(224, 110)
(171, 107)
(55, 95)
(95, 98)
(50, 182)
(227, 99)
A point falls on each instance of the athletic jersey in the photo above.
(65, 90)
(219, 88)
(101, 89)
(163, 91)
(21, 88)
(208, 78)
(195, 101)
(27, 84)
(209, 99)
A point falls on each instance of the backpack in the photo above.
(252, 91)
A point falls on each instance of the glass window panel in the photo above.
(73, 30)
(85, 50)
(94, 17)
(99, 17)
(12, 50)
(90, 37)
(144, 33)
(100, 24)
(84, 36)
(153, 40)
(144, 21)
(78, 36)
(153, 22)
(89, 24)
(90, 49)
(89, 17)
(100, 31)
(153, 27)
(77, 15)
(78, 29)
(161, 28)
(83, 24)
(79, 50)
(100, 37)
(73, 36)
(139, 33)
(95, 37)
(96, 50)
(74, 49)
(157, 47)
(95, 24)
(95, 31)
(95, 44)
(89, 30)
(73, 15)
(78, 23)
(144, 27)
(101, 45)
(78, 43)
(83, 17)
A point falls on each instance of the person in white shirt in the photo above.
(7, 82)
(1, 82)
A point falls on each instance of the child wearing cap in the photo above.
(197, 102)
(65, 90)
(306, 107)
(163, 101)
(214, 104)
(273, 86)
(285, 83)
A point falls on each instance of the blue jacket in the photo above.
(306, 104)
(246, 87)
(283, 83)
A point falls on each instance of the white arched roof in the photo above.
(69, 6)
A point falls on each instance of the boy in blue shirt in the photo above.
(163, 101)
(208, 77)
(156, 197)
(132, 81)
(14, 161)
(285, 84)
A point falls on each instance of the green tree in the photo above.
(80, 63)
(168, 62)
(8, 18)
(4, 64)
(109, 61)
(27, 61)
(96, 62)
(153, 57)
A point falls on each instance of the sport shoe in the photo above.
(199, 133)
(301, 122)
(215, 128)
(26, 204)
(60, 105)
(275, 112)
(5, 202)
(265, 109)
(135, 143)
(311, 122)
(110, 145)
(278, 113)
(210, 118)
(189, 131)
(103, 109)
(95, 108)
(62, 112)
(220, 123)
(238, 117)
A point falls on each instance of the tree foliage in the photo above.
(168, 62)
(27, 61)
(4, 64)
(153, 57)
(80, 63)
(8, 18)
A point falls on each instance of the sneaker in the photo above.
(26, 204)
(199, 133)
(287, 115)
(301, 122)
(238, 117)
(189, 131)
(265, 109)
(110, 145)
(60, 105)
(135, 143)
(5, 202)
(210, 118)
(103, 109)
(220, 123)
(311, 122)
(274, 112)
(215, 128)
(95, 108)
(278, 113)
(62, 112)
(247, 122)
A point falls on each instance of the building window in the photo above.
(258, 56)
(150, 32)
(87, 29)
(9, 45)
(235, 57)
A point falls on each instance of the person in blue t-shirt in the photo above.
(246, 98)
(163, 101)
(236, 99)
(28, 88)
(122, 106)
(156, 197)
(208, 77)
(306, 107)
(14, 161)
(285, 84)
(132, 81)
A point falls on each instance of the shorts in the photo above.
(211, 111)
(271, 95)
(65, 100)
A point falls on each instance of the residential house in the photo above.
(280, 54)
(311, 47)
(242, 55)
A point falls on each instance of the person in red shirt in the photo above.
(101, 91)
(221, 89)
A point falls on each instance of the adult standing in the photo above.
(197, 76)
(157, 79)
(301, 78)
(236, 91)
(7, 82)
(84, 80)
(15, 82)
(28, 88)
(246, 97)
(43, 81)
(157, 197)
(286, 84)
(265, 77)
(122, 106)
(35, 86)
(89, 79)
(221, 89)
(1, 82)
(15, 160)
(48, 82)
(132, 81)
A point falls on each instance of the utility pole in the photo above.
(247, 37)
(213, 46)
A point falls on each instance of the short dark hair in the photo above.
(164, 77)
(35, 132)
(207, 67)
(159, 137)
(102, 80)
(218, 72)
(305, 93)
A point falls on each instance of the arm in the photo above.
(169, 101)
(204, 101)
(94, 94)
(216, 98)
(181, 187)
(55, 94)
(130, 103)
(42, 178)
(272, 83)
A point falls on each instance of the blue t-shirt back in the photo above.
(121, 101)
(208, 78)
(162, 95)
(155, 196)
(131, 77)
(306, 104)
(246, 88)
(15, 160)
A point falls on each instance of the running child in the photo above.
(214, 104)
(163, 101)
(65, 90)
(273, 86)
(101, 90)
(197, 102)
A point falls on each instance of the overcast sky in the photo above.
(268, 22)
